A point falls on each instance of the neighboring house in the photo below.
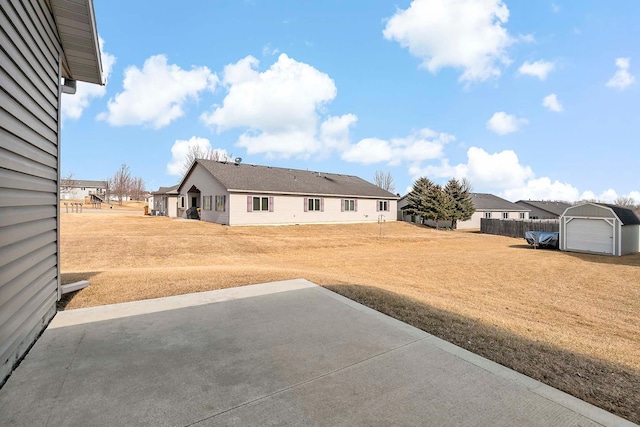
(542, 209)
(79, 189)
(165, 201)
(599, 228)
(42, 42)
(243, 194)
(486, 205)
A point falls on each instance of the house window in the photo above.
(522, 215)
(182, 202)
(261, 204)
(487, 215)
(505, 215)
(220, 202)
(207, 203)
(313, 204)
(349, 205)
(383, 205)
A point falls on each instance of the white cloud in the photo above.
(368, 151)
(491, 171)
(622, 79)
(74, 105)
(281, 109)
(502, 174)
(503, 123)
(156, 94)
(527, 38)
(635, 195)
(180, 150)
(552, 104)
(607, 196)
(269, 50)
(543, 189)
(539, 69)
(465, 34)
(422, 145)
(334, 131)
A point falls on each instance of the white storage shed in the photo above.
(599, 228)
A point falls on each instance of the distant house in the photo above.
(164, 202)
(486, 205)
(244, 194)
(47, 45)
(599, 228)
(542, 209)
(80, 189)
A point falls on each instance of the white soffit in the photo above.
(76, 23)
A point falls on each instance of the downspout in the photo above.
(59, 281)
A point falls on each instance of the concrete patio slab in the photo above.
(284, 353)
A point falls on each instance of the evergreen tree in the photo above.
(459, 195)
(428, 201)
(418, 199)
(442, 204)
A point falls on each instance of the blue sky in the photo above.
(536, 100)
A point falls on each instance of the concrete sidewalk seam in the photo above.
(301, 383)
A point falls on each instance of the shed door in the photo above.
(591, 235)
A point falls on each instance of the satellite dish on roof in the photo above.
(237, 160)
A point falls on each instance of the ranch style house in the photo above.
(232, 193)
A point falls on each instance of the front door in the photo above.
(194, 202)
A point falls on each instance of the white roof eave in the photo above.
(78, 32)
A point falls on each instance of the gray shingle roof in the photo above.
(489, 202)
(268, 179)
(555, 208)
(88, 183)
(626, 215)
(166, 190)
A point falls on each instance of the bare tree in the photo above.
(625, 201)
(466, 185)
(385, 181)
(197, 152)
(67, 183)
(137, 189)
(120, 183)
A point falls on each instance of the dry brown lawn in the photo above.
(569, 320)
(87, 206)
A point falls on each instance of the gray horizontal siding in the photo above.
(17, 12)
(29, 114)
(22, 181)
(19, 215)
(37, 149)
(27, 238)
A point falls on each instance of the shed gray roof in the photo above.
(489, 202)
(555, 208)
(626, 215)
(268, 179)
(166, 190)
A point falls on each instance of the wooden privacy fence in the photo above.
(517, 228)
